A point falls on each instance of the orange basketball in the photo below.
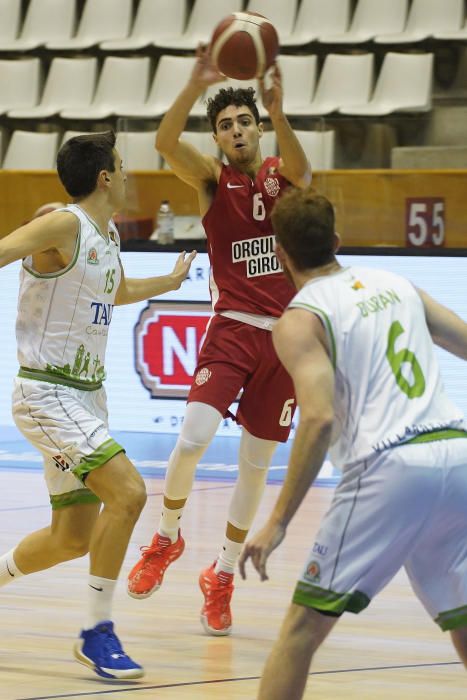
(244, 45)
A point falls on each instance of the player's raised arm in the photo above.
(185, 160)
(448, 330)
(52, 231)
(294, 164)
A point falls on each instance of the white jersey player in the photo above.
(358, 346)
(71, 278)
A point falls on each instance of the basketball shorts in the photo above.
(69, 427)
(237, 356)
(405, 507)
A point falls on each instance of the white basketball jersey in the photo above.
(64, 317)
(388, 387)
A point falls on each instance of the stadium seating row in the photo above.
(35, 151)
(74, 90)
(111, 26)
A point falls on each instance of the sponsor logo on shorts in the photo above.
(94, 432)
(61, 463)
(313, 573)
(272, 187)
(320, 549)
(203, 376)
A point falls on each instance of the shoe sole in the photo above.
(213, 632)
(142, 595)
(111, 674)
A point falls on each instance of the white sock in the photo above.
(100, 595)
(169, 523)
(228, 556)
(8, 570)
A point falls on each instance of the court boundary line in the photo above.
(185, 684)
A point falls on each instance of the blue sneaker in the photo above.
(99, 648)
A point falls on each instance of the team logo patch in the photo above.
(313, 573)
(357, 285)
(61, 463)
(203, 376)
(272, 186)
(92, 257)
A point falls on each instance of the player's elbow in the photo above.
(164, 144)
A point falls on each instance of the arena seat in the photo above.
(204, 16)
(344, 80)
(316, 19)
(10, 20)
(299, 75)
(154, 21)
(38, 28)
(171, 74)
(318, 147)
(101, 20)
(122, 86)
(29, 150)
(427, 17)
(281, 14)
(19, 83)
(137, 150)
(403, 85)
(372, 17)
(70, 84)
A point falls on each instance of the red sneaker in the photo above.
(147, 574)
(217, 589)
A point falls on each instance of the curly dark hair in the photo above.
(81, 159)
(231, 96)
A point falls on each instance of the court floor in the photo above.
(391, 651)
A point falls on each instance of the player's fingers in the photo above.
(262, 566)
(242, 561)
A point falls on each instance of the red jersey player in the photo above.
(249, 292)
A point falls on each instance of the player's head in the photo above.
(90, 161)
(303, 222)
(235, 123)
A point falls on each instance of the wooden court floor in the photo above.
(392, 651)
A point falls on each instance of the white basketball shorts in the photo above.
(404, 507)
(69, 427)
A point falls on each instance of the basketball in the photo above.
(244, 45)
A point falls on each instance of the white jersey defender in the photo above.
(59, 403)
(58, 338)
(402, 447)
(388, 384)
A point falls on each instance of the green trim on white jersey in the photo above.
(327, 322)
(103, 454)
(59, 273)
(58, 378)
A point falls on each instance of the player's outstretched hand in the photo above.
(273, 94)
(260, 547)
(205, 72)
(182, 267)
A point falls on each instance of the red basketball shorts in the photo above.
(236, 356)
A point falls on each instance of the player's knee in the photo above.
(306, 628)
(134, 499)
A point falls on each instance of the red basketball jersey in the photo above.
(245, 272)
